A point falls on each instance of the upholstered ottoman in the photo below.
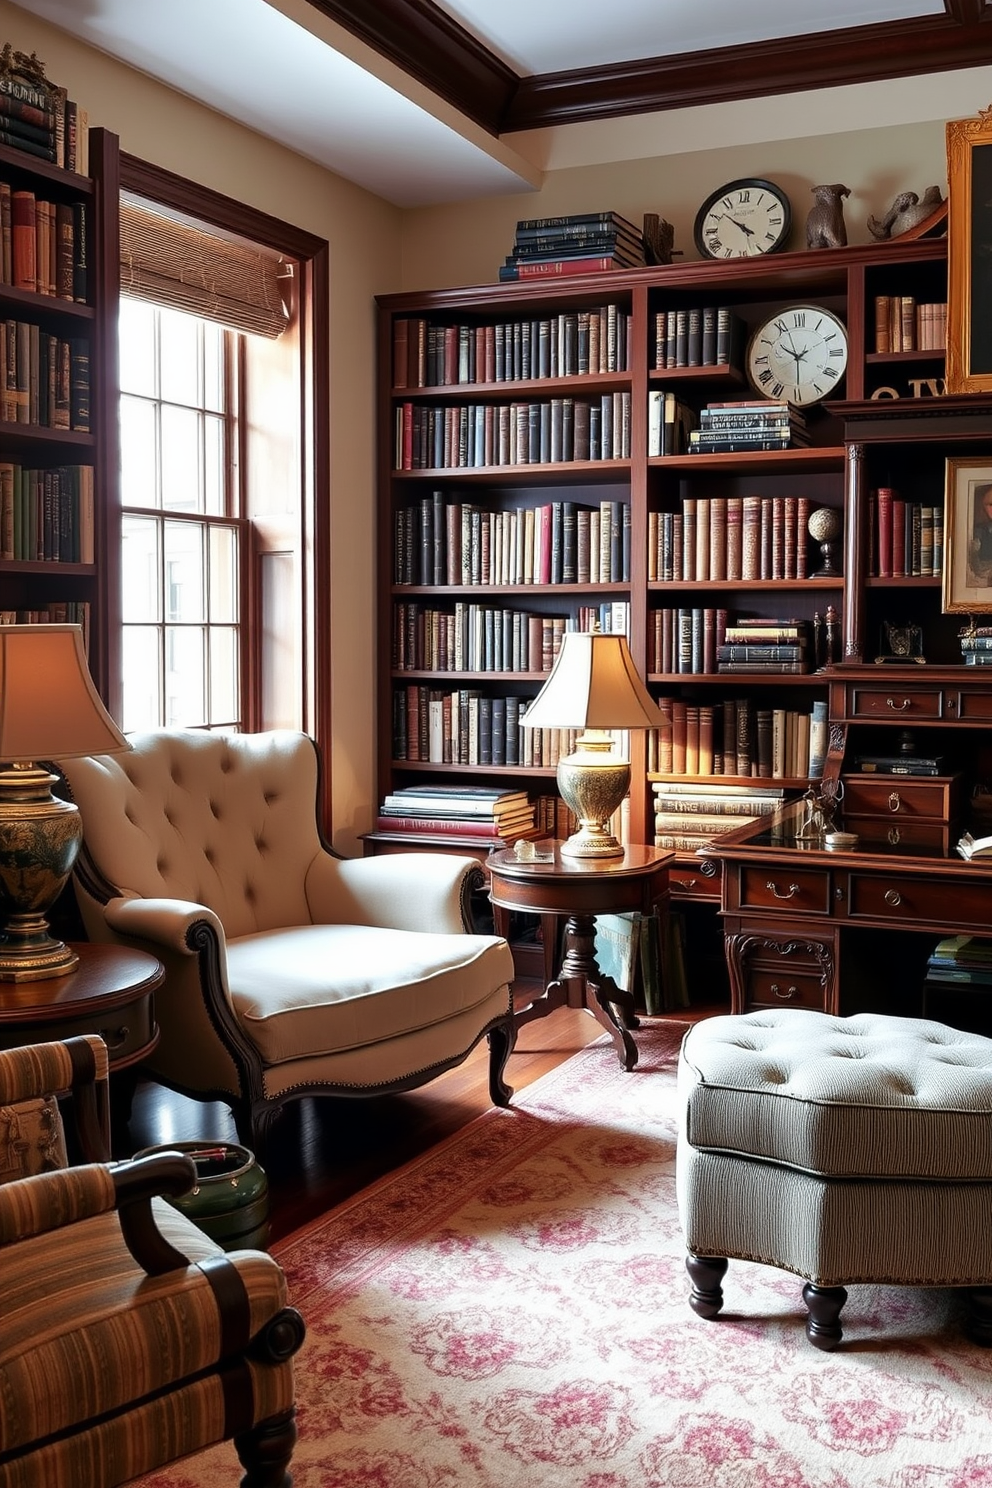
(842, 1149)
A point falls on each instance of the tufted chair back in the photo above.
(226, 821)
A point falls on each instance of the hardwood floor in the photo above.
(324, 1150)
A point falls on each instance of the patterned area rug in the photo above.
(510, 1311)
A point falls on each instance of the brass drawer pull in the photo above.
(893, 897)
(116, 1038)
(793, 890)
(898, 707)
(895, 801)
(895, 836)
(785, 993)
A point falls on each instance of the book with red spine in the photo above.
(883, 501)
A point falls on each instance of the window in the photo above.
(182, 532)
(218, 611)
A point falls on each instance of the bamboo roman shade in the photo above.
(186, 268)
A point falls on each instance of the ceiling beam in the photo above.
(433, 48)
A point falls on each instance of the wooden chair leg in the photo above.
(501, 1041)
(824, 1305)
(706, 1273)
(265, 1450)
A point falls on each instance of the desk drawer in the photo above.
(699, 880)
(789, 986)
(797, 890)
(900, 832)
(894, 796)
(895, 702)
(907, 900)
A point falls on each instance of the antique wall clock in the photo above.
(799, 354)
(743, 219)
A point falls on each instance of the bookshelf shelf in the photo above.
(814, 459)
(507, 389)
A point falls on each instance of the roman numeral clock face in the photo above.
(798, 354)
(742, 220)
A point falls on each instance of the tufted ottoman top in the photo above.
(843, 1097)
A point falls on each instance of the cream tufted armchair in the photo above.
(289, 971)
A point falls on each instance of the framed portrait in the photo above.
(967, 574)
(969, 254)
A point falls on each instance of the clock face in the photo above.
(799, 355)
(743, 219)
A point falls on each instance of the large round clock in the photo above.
(743, 219)
(799, 354)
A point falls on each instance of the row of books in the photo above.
(483, 812)
(688, 816)
(587, 242)
(730, 537)
(574, 343)
(670, 423)
(631, 950)
(905, 324)
(976, 646)
(46, 515)
(964, 959)
(40, 118)
(703, 640)
(738, 737)
(488, 638)
(44, 379)
(42, 244)
(543, 432)
(441, 543)
(907, 537)
(56, 612)
(466, 726)
(698, 336)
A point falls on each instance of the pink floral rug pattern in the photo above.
(510, 1311)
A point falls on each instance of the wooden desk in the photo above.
(787, 908)
(581, 888)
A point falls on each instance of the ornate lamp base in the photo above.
(39, 841)
(592, 783)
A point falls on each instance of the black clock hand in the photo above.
(743, 226)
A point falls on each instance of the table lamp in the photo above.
(49, 709)
(594, 687)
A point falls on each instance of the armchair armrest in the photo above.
(165, 922)
(401, 891)
(77, 1065)
(51, 1201)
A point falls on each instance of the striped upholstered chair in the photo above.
(127, 1338)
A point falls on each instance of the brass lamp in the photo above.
(49, 709)
(594, 687)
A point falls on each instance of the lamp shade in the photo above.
(593, 684)
(49, 706)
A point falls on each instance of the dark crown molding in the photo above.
(434, 49)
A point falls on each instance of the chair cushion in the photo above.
(86, 1331)
(321, 989)
(868, 1095)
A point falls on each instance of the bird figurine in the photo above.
(825, 224)
(908, 210)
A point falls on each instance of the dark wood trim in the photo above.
(105, 258)
(434, 49)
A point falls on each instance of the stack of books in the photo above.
(976, 646)
(961, 959)
(486, 813)
(689, 816)
(733, 428)
(900, 764)
(587, 243)
(764, 645)
(38, 117)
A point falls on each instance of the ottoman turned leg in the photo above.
(706, 1272)
(978, 1325)
(824, 1305)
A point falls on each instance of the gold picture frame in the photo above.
(967, 566)
(969, 254)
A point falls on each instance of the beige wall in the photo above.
(171, 131)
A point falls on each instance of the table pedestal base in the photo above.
(581, 984)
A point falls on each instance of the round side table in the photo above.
(580, 889)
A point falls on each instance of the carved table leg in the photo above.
(824, 1305)
(706, 1273)
(610, 1004)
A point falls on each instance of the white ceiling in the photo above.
(282, 68)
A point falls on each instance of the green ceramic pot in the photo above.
(230, 1199)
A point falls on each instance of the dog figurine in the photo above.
(906, 211)
(825, 224)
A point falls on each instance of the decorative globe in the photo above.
(824, 524)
